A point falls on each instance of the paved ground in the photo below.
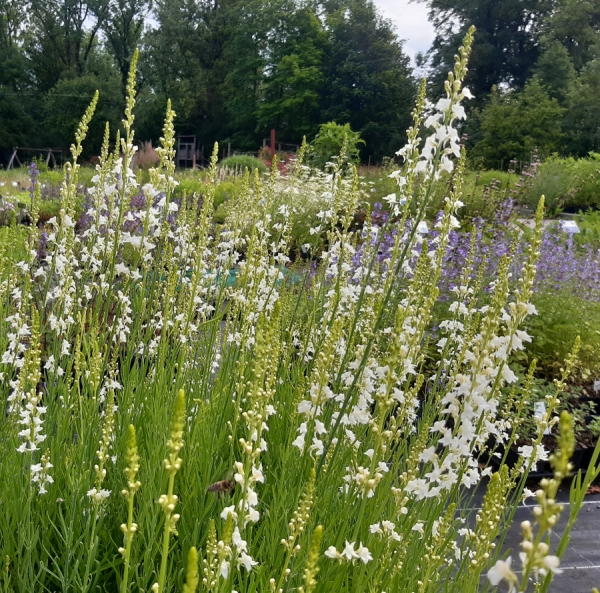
(581, 561)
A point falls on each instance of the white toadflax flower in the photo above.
(349, 553)
(501, 571)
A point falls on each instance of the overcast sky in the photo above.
(411, 23)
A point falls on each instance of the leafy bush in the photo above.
(222, 192)
(188, 186)
(555, 179)
(587, 182)
(562, 317)
(329, 141)
(244, 162)
(589, 227)
(567, 183)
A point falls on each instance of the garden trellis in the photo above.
(50, 155)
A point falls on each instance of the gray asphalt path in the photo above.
(581, 561)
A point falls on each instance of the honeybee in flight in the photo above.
(222, 487)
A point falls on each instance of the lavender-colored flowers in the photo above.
(562, 266)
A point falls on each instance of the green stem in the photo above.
(162, 577)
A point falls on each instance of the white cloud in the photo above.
(412, 25)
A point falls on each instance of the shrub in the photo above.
(514, 124)
(562, 317)
(242, 162)
(222, 192)
(567, 183)
(589, 226)
(329, 141)
(587, 182)
(556, 181)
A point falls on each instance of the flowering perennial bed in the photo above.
(166, 429)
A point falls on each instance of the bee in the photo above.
(222, 487)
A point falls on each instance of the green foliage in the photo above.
(566, 182)
(234, 70)
(506, 44)
(67, 101)
(589, 227)
(484, 193)
(556, 180)
(514, 124)
(575, 24)
(242, 162)
(329, 142)
(555, 70)
(223, 192)
(368, 80)
(293, 88)
(561, 318)
(581, 121)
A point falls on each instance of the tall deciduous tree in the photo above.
(122, 22)
(506, 42)
(582, 123)
(575, 24)
(15, 84)
(368, 80)
(63, 38)
(295, 79)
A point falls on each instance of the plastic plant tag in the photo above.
(570, 226)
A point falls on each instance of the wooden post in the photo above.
(228, 149)
(272, 143)
(12, 158)
(194, 161)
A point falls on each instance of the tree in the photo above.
(515, 123)
(329, 142)
(575, 24)
(582, 124)
(506, 45)
(368, 81)
(66, 103)
(294, 83)
(555, 70)
(186, 61)
(63, 38)
(15, 99)
(122, 22)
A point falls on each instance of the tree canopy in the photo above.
(235, 69)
